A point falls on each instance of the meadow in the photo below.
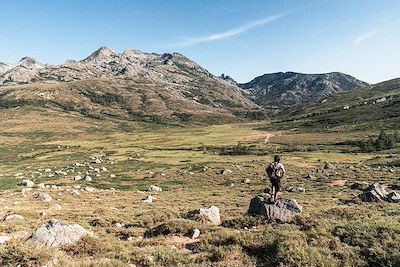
(334, 229)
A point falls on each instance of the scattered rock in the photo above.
(43, 213)
(19, 234)
(75, 192)
(225, 172)
(153, 188)
(55, 234)
(246, 181)
(4, 239)
(78, 177)
(13, 217)
(359, 186)
(41, 186)
(393, 197)
(43, 197)
(149, 199)
(211, 214)
(113, 176)
(88, 178)
(282, 211)
(329, 166)
(339, 182)
(309, 176)
(27, 183)
(195, 233)
(296, 189)
(119, 225)
(89, 189)
(96, 161)
(374, 193)
(56, 207)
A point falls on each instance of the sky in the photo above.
(240, 38)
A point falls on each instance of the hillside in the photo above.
(285, 89)
(373, 108)
(131, 85)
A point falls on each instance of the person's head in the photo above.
(277, 158)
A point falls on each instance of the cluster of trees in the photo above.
(384, 141)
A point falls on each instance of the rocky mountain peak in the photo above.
(102, 54)
(30, 63)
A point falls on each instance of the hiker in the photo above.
(275, 172)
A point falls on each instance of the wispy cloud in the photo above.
(188, 41)
(364, 37)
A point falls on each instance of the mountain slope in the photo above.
(280, 90)
(130, 85)
(376, 107)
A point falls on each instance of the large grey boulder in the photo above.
(55, 234)
(281, 211)
(211, 214)
(374, 193)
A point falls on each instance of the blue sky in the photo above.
(240, 38)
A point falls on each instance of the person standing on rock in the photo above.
(275, 172)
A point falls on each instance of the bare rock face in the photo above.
(55, 234)
(282, 211)
(211, 214)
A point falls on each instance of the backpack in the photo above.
(273, 171)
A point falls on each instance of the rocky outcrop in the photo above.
(378, 193)
(280, 211)
(55, 234)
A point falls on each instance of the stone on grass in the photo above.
(43, 197)
(27, 183)
(153, 188)
(246, 181)
(225, 172)
(13, 217)
(280, 211)
(329, 166)
(75, 192)
(149, 199)
(211, 214)
(195, 233)
(4, 239)
(41, 186)
(374, 193)
(295, 189)
(55, 234)
(89, 189)
(359, 186)
(78, 177)
(393, 197)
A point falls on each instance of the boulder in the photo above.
(27, 183)
(281, 211)
(211, 214)
(55, 234)
(153, 188)
(246, 181)
(78, 177)
(374, 193)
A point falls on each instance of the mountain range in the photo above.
(163, 88)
